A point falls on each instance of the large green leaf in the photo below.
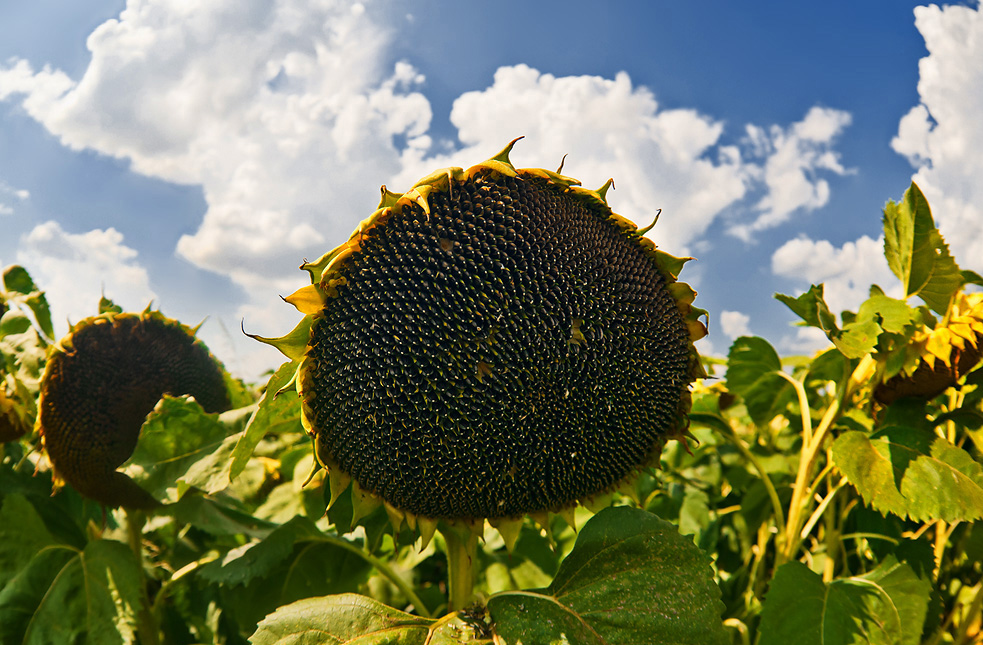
(346, 618)
(916, 252)
(22, 535)
(912, 472)
(752, 372)
(176, 435)
(259, 559)
(631, 578)
(293, 562)
(65, 594)
(884, 607)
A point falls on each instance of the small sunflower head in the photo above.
(495, 342)
(937, 358)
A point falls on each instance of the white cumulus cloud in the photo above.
(668, 159)
(847, 271)
(794, 157)
(75, 269)
(282, 112)
(942, 136)
(735, 324)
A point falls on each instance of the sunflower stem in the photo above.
(462, 550)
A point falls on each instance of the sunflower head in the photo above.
(936, 358)
(492, 343)
(99, 384)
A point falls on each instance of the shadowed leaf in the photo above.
(631, 578)
(884, 607)
(752, 372)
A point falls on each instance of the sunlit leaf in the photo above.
(21, 288)
(912, 473)
(276, 412)
(916, 252)
(347, 618)
(857, 338)
(891, 314)
(176, 436)
(812, 308)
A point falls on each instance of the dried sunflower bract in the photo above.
(495, 342)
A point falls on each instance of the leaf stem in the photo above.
(804, 411)
(801, 503)
(384, 569)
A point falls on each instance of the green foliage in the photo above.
(630, 578)
(917, 254)
(884, 606)
(912, 473)
(802, 508)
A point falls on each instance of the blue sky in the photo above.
(195, 153)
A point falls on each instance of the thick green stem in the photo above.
(147, 627)
(801, 504)
(462, 549)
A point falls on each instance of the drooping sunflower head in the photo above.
(495, 342)
(936, 358)
(99, 384)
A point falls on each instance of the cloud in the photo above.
(847, 271)
(291, 114)
(943, 134)
(668, 159)
(76, 269)
(283, 112)
(734, 324)
(8, 192)
(793, 158)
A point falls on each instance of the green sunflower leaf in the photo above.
(22, 535)
(916, 252)
(346, 618)
(21, 288)
(811, 307)
(176, 436)
(886, 606)
(277, 412)
(631, 578)
(64, 594)
(912, 473)
(752, 372)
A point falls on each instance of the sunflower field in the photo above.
(146, 496)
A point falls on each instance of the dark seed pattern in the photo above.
(96, 396)
(508, 353)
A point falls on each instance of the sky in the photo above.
(194, 153)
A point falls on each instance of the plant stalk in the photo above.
(147, 626)
(801, 504)
(462, 550)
